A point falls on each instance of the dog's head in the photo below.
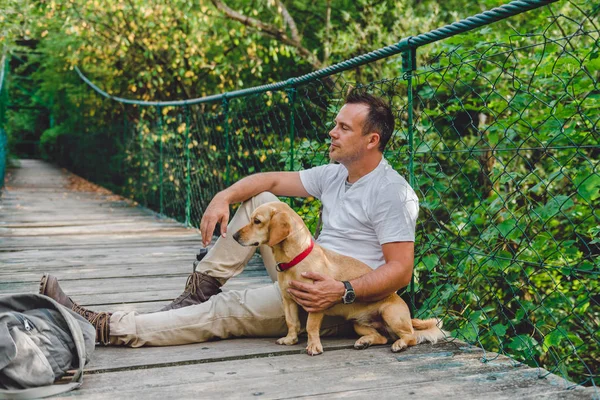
(270, 224)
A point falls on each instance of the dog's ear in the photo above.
(280, 227)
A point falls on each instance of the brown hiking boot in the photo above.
(198, 288)
(49, 287)
(101, 320)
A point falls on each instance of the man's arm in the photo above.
(325, 291)
(390, 277)
(278, 183)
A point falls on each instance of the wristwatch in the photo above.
(349, 296)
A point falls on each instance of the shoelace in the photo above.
(100, 320)
(193, 281)
(191, 286)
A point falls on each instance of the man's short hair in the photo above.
(379, 119)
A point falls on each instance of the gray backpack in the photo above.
(40, 341)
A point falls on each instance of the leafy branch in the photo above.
(272, 30)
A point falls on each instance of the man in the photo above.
(369, 212)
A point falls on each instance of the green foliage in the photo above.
(50, 142)
(507, 165)
(18, 125)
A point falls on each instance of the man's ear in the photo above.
(374, 140)
(280, 227)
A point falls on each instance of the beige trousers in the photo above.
(236, 313)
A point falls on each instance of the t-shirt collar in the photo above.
(382, 164)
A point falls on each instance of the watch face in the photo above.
(349, 297)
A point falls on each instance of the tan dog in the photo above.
(278, 226)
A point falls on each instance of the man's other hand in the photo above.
(216, 212)
(318, 296)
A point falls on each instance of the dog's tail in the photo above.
(429, 330)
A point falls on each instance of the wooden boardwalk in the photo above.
(110, 254)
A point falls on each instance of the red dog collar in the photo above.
(285, 266)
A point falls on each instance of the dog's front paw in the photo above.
(288, 340)
(361, 344)
(314, 349)
(399, 345)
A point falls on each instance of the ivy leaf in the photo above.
(523, 344)
(469, 332)
(554, 338)
(588, 186)
(553, 206)
(507, 227)
(431, 262)
(499, 330)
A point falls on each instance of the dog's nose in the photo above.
(236, 236)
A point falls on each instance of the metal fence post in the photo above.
(291, 92)
(188, 186)
(4, 64)
(124, 140)
(3, 107)
(409, 64)
(80, 110)
(227, 155)
(160, 168)
(140, 167)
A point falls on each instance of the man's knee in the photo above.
(264, 197)
(253, 203)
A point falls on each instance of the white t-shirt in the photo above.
(379, 208)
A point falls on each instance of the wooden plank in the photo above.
(121, 240)
(440, 373)
(74, 233)
(113, 228)
(125, 358)
(93, 245)
(111, 285)
(347, 381)
(50, 216)
(73, 221)
(125, 290)
(133, 250)
(167, 268)
(111, 266)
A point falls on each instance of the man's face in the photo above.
(348, 143)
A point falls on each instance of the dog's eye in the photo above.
(256, 221)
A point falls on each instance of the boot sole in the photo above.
(43, 283)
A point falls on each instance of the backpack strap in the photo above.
(39, 392)
(23, 302)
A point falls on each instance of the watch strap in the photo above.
(349, 294)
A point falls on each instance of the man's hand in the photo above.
(323, 293)
(217, 211)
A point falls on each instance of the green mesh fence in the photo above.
(506, 162)
(3, 105)
(499, 137)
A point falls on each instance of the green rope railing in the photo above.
(468, 24)
(3, 104)
(498, 136)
